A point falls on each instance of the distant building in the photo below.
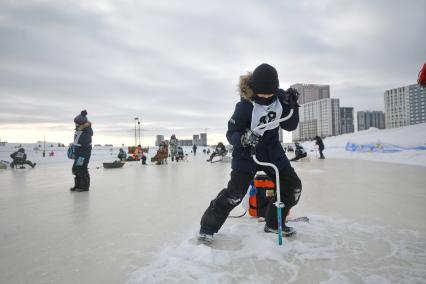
(347, 120)
(159, 139)
(417, 104)
(367, 119)
(196, 139)
(405, 106)
(320, 117)
(397, 107)
(312, 92)
(187, 142)
(308, 129)
(203, 139)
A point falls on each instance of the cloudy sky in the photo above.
(176, 64)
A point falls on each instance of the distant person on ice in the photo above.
(299, 152)
(83, 150)
(20, 158)
(173, 144)
(261, 102)
(122, 155)
(320, 144)
(219, 151)
(194, 148)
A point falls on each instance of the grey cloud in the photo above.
(178, 64)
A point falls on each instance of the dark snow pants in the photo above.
(19, 162)
(227, 199)
(82, 176)
(321, 154)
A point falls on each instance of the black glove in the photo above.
(249, 139)
(290, 98)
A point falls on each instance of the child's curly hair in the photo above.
(244, 87)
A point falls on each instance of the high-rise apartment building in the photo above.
(312, 92)
(367, 119)
(196, 140)
(203, 139)
(396, 107)
(346, 120)
(320, 117)
(405, 106)
(417, 104)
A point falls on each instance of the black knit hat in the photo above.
(265, 79)
(81, 118)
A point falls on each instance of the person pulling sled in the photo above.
(261, 102)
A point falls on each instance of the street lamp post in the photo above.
(136, 139)
(44, 146)
(139, 130)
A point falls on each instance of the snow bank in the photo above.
(405, 145)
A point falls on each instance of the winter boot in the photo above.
(81, 189)
(205, 236)
(76, 180)
(287, 231)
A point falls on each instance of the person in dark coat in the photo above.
(122, 155)
(83, 150)
(318, 141)
(299, 152)
(20, 158)
(194, 148)
(219, 151)
(261, 102)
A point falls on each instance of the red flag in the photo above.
(422, 76)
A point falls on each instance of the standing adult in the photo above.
(173, 147)
(83, 150)
(318, 141)
(194, 148)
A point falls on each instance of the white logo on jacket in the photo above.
(262, 114)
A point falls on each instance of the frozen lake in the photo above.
(138, 224)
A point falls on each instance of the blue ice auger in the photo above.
(279, 204)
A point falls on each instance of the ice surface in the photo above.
(138, 224)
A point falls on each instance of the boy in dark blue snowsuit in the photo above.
(83, 150)
(261, 102)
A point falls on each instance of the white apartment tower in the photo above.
(405, 106)
(320, 117)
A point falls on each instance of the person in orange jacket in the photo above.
(137, 153)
